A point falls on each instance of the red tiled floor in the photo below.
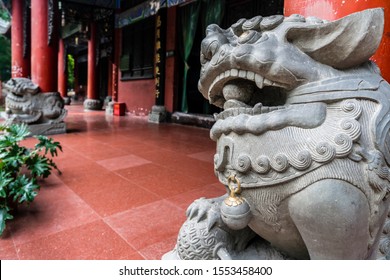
(157, 250)
(8, 253)
(185, 199)
(122, 194)
(51, 212)
(147, 170)
(122, 162)
(158, 221)
(118, 197)
(92, 241)
(170, 183)
(207, 156)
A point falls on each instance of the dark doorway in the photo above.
(103, 81)
(234, 10)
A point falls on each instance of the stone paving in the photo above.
(122, 194)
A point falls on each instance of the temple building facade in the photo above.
(142, 56)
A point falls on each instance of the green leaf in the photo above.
(23, 189)
(5, 180)
(28, 192)
(18, 131)
(13, 162)
(20, 167)
(39, 166)
(48, 145)
(4, 215)
(13, 134)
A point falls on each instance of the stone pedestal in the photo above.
(93, 104)
(47, 128)
(66, 100)
(107, 100)
(158, 114)
(110, 108)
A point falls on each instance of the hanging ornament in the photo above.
(235, 210)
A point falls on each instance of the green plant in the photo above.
(5, 58)
(21, 167)
(4, 10)
(70, 67)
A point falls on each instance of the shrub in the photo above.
(21, 167)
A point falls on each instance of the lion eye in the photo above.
(211, 50)
(249, 37)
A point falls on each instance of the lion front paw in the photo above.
(205, 209)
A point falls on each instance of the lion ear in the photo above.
(343, 43)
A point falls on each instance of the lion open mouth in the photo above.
(245, 92)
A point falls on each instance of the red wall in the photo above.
(170, 63)
(139, 95)
(335, 9)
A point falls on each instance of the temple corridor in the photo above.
(122, 194)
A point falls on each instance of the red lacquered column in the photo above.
(20, 59)
(115, 65)
(109, 78)
(335, 9)
(62, 72)
(92, 102)
(44, 44)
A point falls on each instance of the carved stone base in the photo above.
(107, 100)
(66, 100)
(206, 121)
(158, 114)
(47, 128)
(110, 108)
(93, 104)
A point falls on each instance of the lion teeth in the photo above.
(278, 85)
(250, 75)
(234, 72)
(268, 82)
(259, 81)
(242, 74)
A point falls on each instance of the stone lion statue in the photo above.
(302, 142)
(25, 103)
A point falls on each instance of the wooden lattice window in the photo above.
(137, 58)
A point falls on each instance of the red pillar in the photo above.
(92, 102)
(44, 44)
(109, 78)
(20, 60)
(62, 73)
(335, 9)
(91, 82)
(171, 96)
(115, 65)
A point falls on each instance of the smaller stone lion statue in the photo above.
(26, 104)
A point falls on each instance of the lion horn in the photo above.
(343, 43)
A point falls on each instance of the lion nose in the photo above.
(215, 38)
(211, 44)
(209, 48)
